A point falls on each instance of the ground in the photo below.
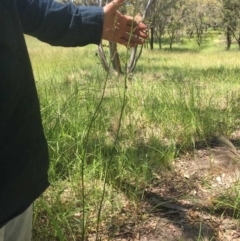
(184, 203)
(180, 204)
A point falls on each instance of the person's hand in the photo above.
(120, 28)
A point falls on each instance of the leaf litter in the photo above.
(181, 204)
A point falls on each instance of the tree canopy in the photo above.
(169, 20)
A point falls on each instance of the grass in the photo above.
(229, 201)
(108, 140)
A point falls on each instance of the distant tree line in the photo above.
(176, 18)
(194, 18)
(170, 20)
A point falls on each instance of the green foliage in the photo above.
(229, 201)
(231, 20)
(140, 127)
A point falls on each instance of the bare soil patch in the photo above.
(179, 204)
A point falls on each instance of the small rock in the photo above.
(219, 180)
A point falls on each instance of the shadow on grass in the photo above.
(181, 50)
(163, 72)
(167, 199)
(172, 212)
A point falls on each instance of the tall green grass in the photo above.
(107, 140)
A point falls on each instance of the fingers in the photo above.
(127, 39)
(121, 28)
(137, 31)
(136, 27)
(132, 39)
(136, 21)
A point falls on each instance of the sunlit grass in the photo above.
(175, 99)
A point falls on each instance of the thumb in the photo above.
(138, 18)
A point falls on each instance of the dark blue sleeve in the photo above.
(61, 24)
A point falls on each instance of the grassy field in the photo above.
(109, 136)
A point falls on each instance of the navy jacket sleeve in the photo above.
(61, 24)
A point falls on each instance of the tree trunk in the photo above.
(160, 42)
(229, 38)
(238, 40)
(172, 36)
(151, 38)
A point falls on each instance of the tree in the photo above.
(175, 22)
(231, 21)
(159, 15)
(200, 14)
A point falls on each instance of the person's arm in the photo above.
(69, 25)
(61, 24)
